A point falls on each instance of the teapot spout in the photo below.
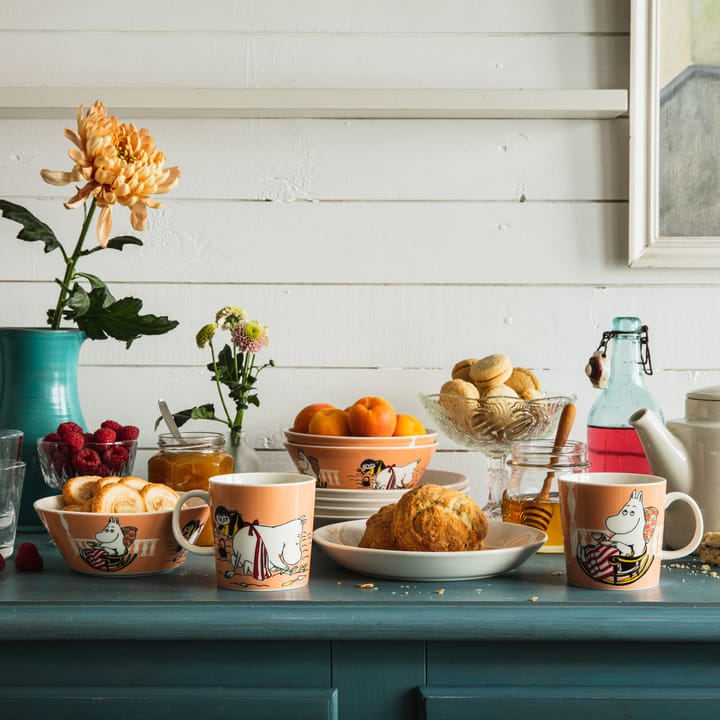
(666, 454)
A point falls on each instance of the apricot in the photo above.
(329, 421)
(372, 417)
(302, 419)
(408, 425)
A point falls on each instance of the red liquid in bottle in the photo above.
(616, 450)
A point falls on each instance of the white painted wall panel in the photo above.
(379, 252)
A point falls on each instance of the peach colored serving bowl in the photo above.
(369, 465)
(126, 544)
(400, 441)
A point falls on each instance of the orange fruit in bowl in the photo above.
(302, 419)
(408, 425)
(372, 417)
(329, 421)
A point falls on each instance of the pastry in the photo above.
(378, 532)
(78, 490)
(525, 383)
(491, 371)
(158, 497)
(709, 548)
(117, 498)
(431, 518)
(461, 369)
(457, 397)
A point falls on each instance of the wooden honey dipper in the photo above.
(533, 513)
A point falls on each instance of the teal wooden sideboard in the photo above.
(520, 645)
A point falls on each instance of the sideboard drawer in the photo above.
(588, 703)
(148, 703)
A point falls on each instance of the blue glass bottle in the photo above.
(613, 444)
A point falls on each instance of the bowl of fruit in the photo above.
(366, 445)
(69, 451)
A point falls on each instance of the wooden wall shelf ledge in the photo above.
(52, 102)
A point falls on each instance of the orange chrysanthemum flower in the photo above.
(119, 164)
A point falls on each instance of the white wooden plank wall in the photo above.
(379, 251)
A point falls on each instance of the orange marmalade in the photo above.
(188, 462)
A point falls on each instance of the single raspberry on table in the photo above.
(28, 558)
(128, 432)
(52, 437)
(69, 427)
(104, 435)
(86, 462)
(75, 441)
(112, 424)
(115, 457)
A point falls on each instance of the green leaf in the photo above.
(96, 282)
(119, 241)
(199, 412)
(34, 230)
(121, 319)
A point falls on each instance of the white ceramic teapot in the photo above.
(687, 453)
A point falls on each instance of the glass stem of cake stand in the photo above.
(497, 479)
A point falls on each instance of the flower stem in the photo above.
(70, 264)
(217, 383)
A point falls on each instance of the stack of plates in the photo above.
(337, 505)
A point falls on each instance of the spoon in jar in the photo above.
(169, 420)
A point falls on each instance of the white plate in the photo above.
(508, 547)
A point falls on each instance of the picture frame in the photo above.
(674, 204)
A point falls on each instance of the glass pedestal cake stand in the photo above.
(491, 425)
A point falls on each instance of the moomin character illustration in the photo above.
(387, 477)
(309, 465)
(264, 550)
(622, 557)
(110, 550)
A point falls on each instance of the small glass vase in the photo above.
(245, 457)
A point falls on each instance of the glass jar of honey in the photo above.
(188, 462)
(531, 497)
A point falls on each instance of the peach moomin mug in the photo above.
(262, 527)
(613, 529)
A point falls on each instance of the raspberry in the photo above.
(115, 457)
(112, 424)
(104, 435)
(86, 462)
(52, 437)
(88, 437)
(128, 432)
(58, 461)
(28, 558)
(2, 563)
(69, 427)
(103, 471)
(75, 441)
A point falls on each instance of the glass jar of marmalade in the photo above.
(187, 463)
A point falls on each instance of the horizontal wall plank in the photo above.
(310, 160)
(411, 326)
(308, 61)
(327, 16)
(376, 243)
(130, 395)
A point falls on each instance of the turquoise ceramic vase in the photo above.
(38, 391)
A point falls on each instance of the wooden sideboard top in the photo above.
(532, 602)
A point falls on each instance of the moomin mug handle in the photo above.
(670, 498)
(177, 530)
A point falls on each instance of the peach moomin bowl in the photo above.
(121, 544)
(363, 467)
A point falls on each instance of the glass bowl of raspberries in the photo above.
(71, 451)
